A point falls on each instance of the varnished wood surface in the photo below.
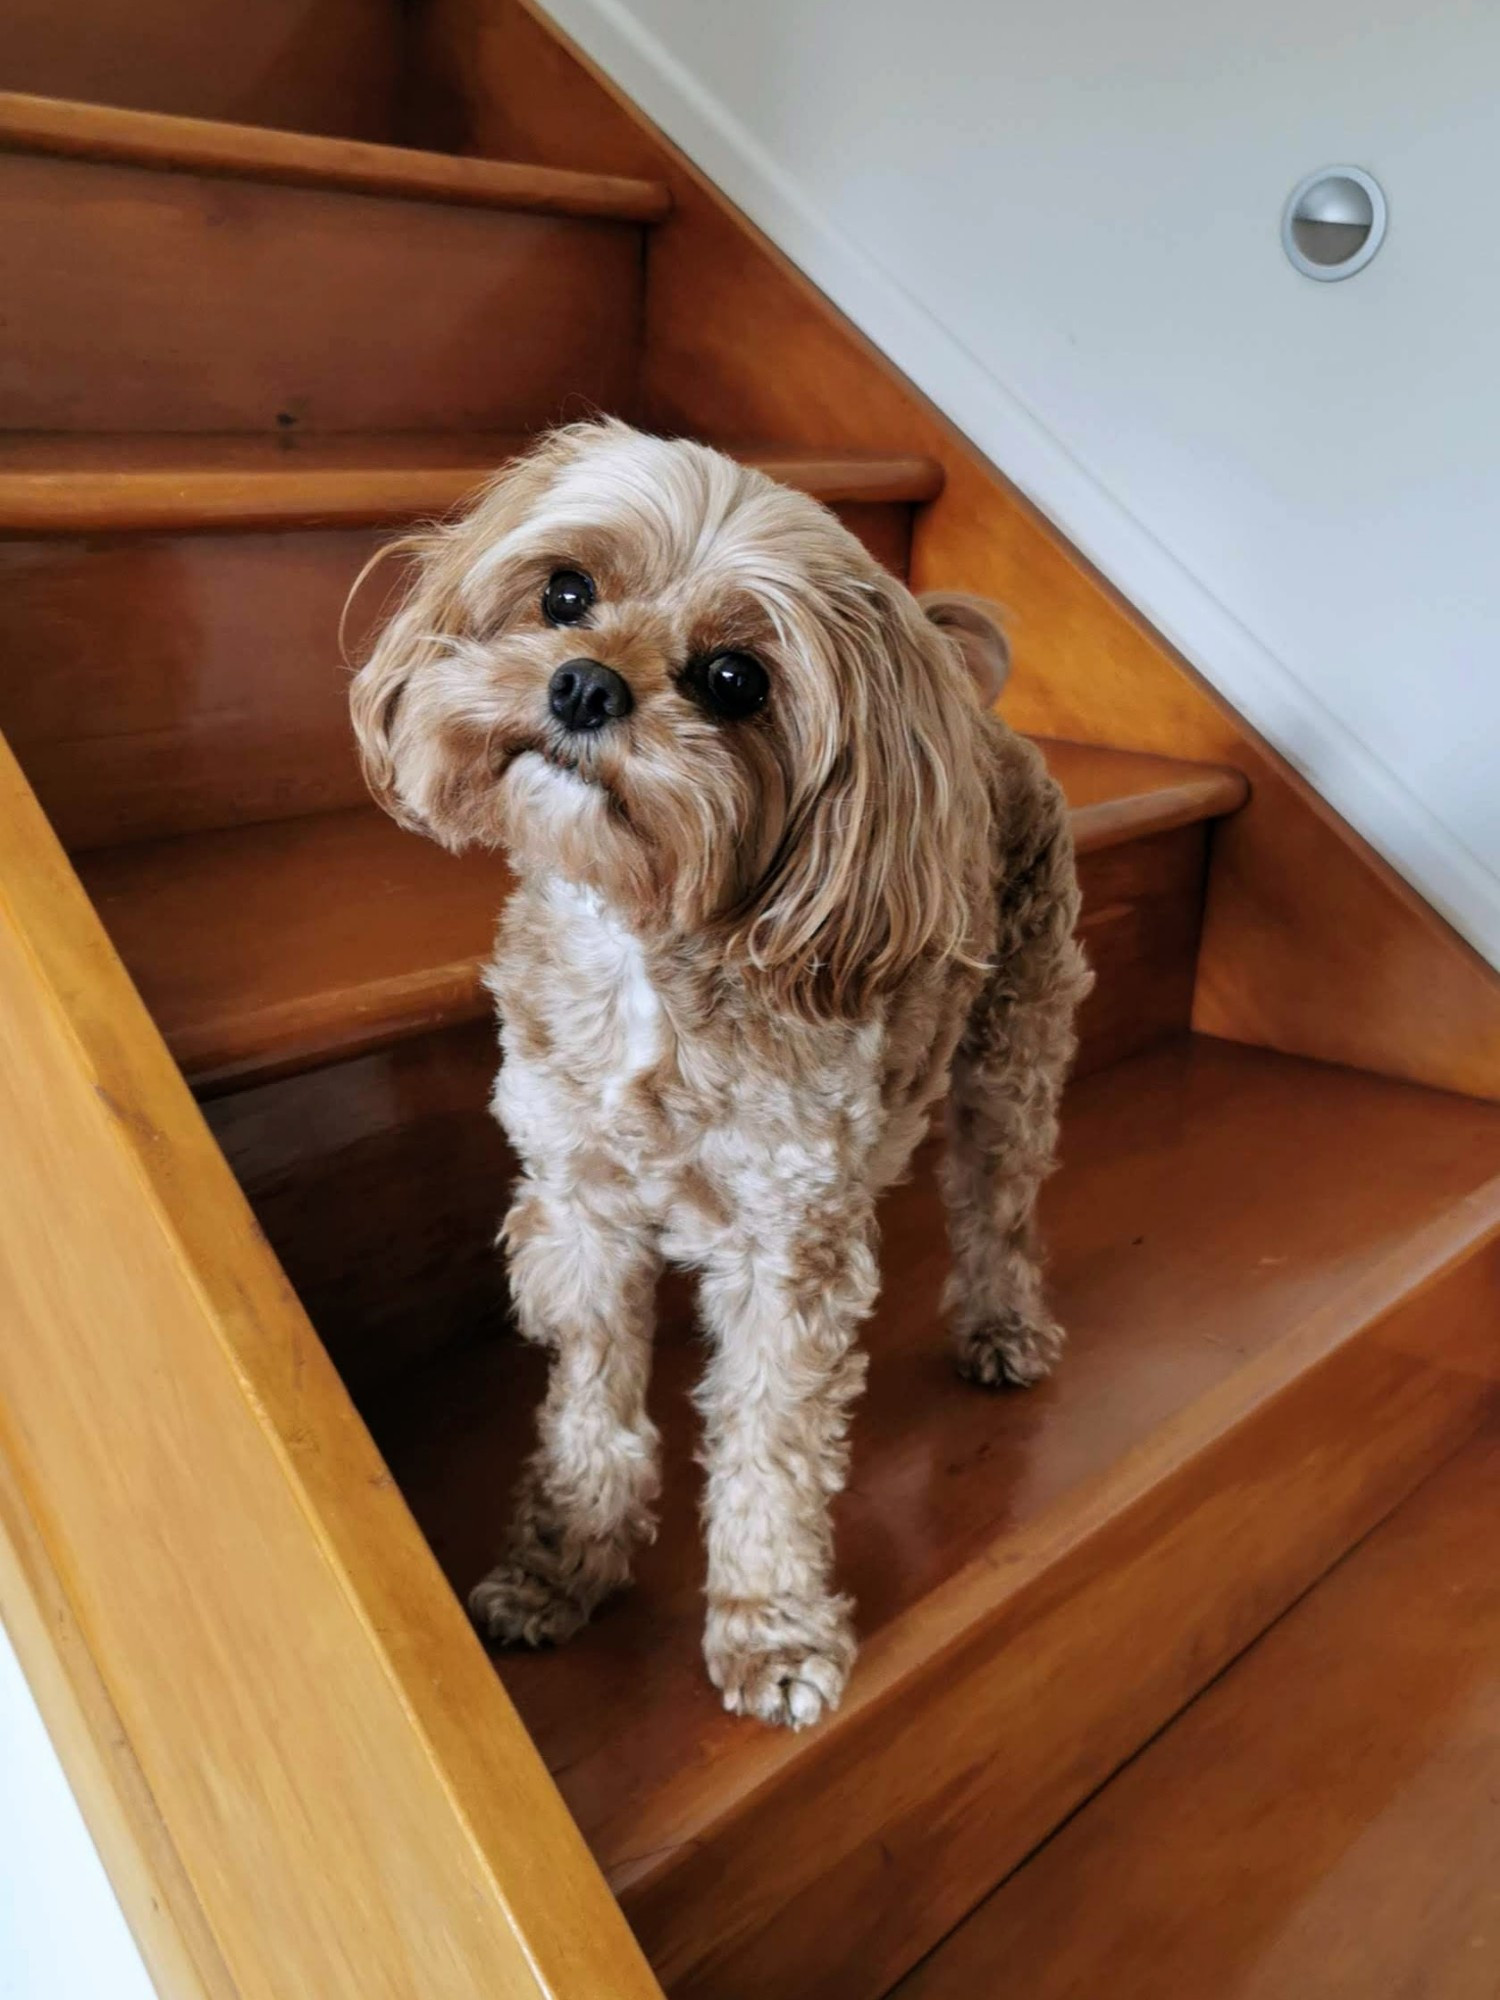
(1324, 1822)
(1279, 1282)
(379, 1182)
(1118, 795)
(245, 305)
(267, 947)
(131, 484)
(325, 1794)
(256, 152)
(154, 686)
(1311, 942)
(1140, 922)
(311, 65)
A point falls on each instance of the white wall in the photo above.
(62, 1936)
(1060, 217)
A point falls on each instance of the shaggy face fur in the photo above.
(783, 881)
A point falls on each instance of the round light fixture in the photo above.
(1333, 222)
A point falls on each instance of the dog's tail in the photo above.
(1007, 1079)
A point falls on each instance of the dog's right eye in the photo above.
(567, 598)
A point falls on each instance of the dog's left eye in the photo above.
(732, 685)
(567, 598)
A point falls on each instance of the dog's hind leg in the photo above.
(583, 1288)
(1006, 1082)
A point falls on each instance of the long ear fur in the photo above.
(395, 676)
(884, 863)
(976, 628)
(376, 690)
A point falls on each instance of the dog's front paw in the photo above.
(515, 1606)
(781, 1662)
(1009, 1351)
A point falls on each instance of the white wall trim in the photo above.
(1289, 714)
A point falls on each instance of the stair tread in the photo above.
(1205, 1235)
(54, 483)
(254, 152)
(1322, 1821)
(264, 948)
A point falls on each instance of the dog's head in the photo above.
(637, 664)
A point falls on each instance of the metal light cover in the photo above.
(1333, 223)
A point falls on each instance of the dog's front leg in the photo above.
(783, 1313)
(583, 1284)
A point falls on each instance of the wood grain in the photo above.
(168, 685)
(1141, 921)
(349, 1804)
(1300, 911)
(1321, 1822)
(266, 948)
(210, 147)
(380, 1182)
(236, 305)
(150, 1881)
(263, 948)
(114, 484)
(1269, 1345)
(314, 65)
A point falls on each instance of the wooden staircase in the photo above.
(1344, 1842)
(234, 361)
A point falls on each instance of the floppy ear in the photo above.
(376, 691)
(410, 761)
(975, 627)
(883, 862)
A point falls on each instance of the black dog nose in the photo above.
(584, 695)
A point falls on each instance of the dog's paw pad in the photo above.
(513, 1606)
(1009, 1352)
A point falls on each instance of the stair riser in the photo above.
(155, 685)
(869, 1853)
(1142, 915)
(234, 305)
(380, 1183)
(394, 1259)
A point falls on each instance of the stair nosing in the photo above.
(214, 1060)
(1212, 792)
(166, 142)
(283, 493)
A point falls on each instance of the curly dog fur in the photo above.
(752, 945)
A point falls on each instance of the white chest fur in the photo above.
(599, 1081)
(615, 1022)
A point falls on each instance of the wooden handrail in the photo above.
(303, 1772)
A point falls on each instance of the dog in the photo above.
(784, 881)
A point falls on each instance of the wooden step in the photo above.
(170, 608)
(1322, 1822)
(267, 948)
(65, 484)
(256, 280)
(1279, 1280)
(172, 144)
